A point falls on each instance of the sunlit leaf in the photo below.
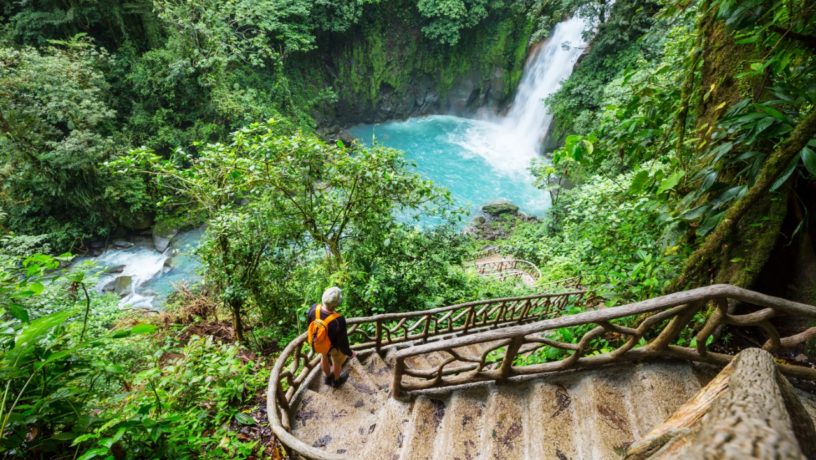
(671, 181)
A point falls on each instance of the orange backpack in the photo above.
(318, 332)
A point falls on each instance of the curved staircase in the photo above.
(494, 265)
(582, 415)
(470, 381)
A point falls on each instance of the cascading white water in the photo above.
(143, 276)
(529, 118)
(140, 264)
(511, 141)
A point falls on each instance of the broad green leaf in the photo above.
(639, 182)
(671, 181)
(244, 419)
(773, 112)
(695, 213)
(33, 332)
(94, 453)
(809, 159)
(18, 312)
(708, 181)
(143, 329)
(709, 223)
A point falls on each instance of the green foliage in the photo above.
(182, 408)
(213, 34)
(623, 245)
(72, 383)
(388, 57)
(614, 48)
(56, 127)
(447, 18)
(736, 147)
(47, 357)
(35, 23)
(408, 270)
(277, 197)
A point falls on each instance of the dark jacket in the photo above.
(338, 335)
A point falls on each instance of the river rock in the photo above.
(122, 244)
(115, 269)
(122, 285)
(500, 207)
(162, 239)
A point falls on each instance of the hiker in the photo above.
(328, 336)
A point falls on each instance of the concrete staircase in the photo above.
(582, 415)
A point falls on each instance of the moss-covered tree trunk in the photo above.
(736, 251)
(730, 236)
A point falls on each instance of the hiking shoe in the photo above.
(328, 379)
(340, 380)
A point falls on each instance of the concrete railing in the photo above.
(662, 327)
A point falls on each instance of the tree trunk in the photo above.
(237, 324)
(705, 256)
(748, 411)
(335, 255)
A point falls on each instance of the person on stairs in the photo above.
(328, 336)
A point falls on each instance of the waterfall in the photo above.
(528, 118)
(511, 141)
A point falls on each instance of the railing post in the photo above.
(378, 337)
(427, 328)
(672, 330)
(471, 312)
(507, 363)
(396, 385)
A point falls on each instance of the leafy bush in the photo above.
(57, 128)
(182, 406)
(621, 244)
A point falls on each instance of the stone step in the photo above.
(657, 390)
(359, 392)
(460, 433)
(324, 422)
(388, 438)
(426, 419)
(583, 415)
(552, 421)
(378, 372)
(504, 430)
(603, 410)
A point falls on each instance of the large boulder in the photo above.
(499, 208)
(122, 285)
(163, 237)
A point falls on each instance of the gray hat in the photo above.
(332, 297)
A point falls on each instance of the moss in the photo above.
(745, 255)
(385, 53)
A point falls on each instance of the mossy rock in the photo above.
(499, 208)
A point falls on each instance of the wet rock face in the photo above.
(162, 239)
(470, 93)
(121, 285)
